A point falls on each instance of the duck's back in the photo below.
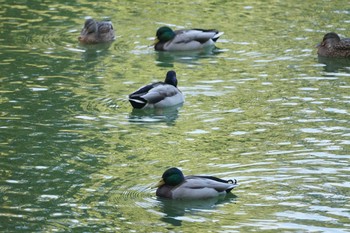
(158, 95)
(191, 39)
(165, 95)
(201, 187)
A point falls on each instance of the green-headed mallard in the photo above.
(158, 95)
(185, 40)
(175, 185)
(333, 46)
(95, 32)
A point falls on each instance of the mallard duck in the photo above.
(333, 46)
(158, 95)
(175, 185)
(95, 32)
(184, 40)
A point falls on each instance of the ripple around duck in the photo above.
(103, 105)
(177, 211)
(49, 41)
(119, 189)
(125, 197)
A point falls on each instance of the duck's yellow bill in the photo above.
(160, 183)
(156, 40)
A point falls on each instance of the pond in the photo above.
(262, 108)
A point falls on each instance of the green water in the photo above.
(75, 157)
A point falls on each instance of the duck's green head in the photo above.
(173, 176)
(171, 78)
(165, 34)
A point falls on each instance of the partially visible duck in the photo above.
(95, 32)
(174, 185)
(158, 95)
(184, 40)
(333, 46)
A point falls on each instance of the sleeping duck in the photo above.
(175, 185)
(333, 46)
(95, 32)
(185, 40)
(158, 95)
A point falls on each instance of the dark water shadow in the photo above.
(335, 64)
(168, 115)
(175, 210)
(167, 59)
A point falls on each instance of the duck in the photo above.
(174, 185)
(95, 32)
(333, 46)
(185, 40)
(158, 94)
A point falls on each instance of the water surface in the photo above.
(261, 108)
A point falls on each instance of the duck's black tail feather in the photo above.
(137, 102)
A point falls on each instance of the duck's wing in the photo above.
(137, 99)
(197, 187)
(200, 35)
(142, 90)
(220, 185)
(344, 44)
(205, 33)
(160, 92)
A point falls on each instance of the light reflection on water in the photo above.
(261, 108)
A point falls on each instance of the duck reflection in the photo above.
(167, 59)
(335, 64)
(94, 51)
(168, 114)
(175, 211)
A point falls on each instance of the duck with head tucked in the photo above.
(174, 185)
(185, 40)
(333, 46)
(158, 95)
(95, 32)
